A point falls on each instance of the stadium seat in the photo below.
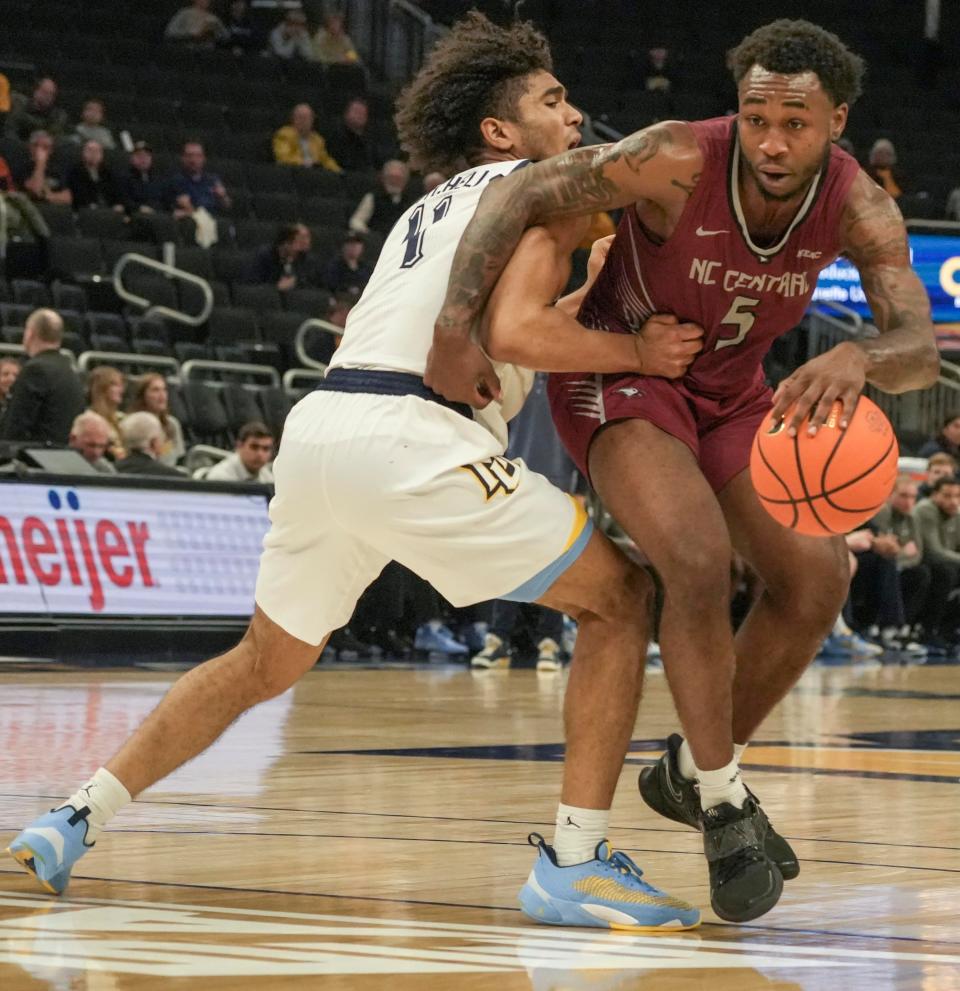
(241, 405)
(108, 342)
(11, 335)
(175, 402)
(255, 233)
(317, 182)
(269, 178)
(232, 265)
(257, 297)
(69, 297)
(147, 346)
(157, 289)
(106, 325)
(205, 115)
(326, 210)
(316, 302)
(190, 351)
(232, 353)
(149, 329)
(207, 416)
(280, 207)
(15, 314)
(71, 257)
(30, 293)
(155, 227)
(103, 223)
(59, 219)
(74, 321)
(113, 251)
(195, 260)
(74, 343)
(229, 325)
(276, 405)
(281, 328)
(326, 240)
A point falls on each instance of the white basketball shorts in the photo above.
(365, 479)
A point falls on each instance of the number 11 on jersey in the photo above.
(416, 231)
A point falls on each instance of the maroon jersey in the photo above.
(709, 272)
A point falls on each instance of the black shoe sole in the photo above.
(758, 908)
(652, 795)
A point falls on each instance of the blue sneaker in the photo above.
(435, 638)
(50, 846)
(607, 893)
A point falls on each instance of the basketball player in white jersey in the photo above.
(375, 467)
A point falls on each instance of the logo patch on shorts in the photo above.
(495, 475)
(629, 392)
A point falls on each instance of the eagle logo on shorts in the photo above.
(629, 392)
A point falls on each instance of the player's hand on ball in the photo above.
(837, 375)
(666, 347)
(459, 371)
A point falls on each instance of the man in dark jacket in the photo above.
(143, 437)
(47, 395)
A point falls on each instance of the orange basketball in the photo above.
(829, 483)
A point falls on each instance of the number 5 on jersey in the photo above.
(739, 315)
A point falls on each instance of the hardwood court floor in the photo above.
(367, 831)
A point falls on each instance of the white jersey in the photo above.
(391, 327)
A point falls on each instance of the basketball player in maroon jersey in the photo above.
(728, 223)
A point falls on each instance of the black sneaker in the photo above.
(744, 882)
(666, 791)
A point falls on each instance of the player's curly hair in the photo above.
(476, 71)
(791, 47)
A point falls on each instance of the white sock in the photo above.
(688, 767)
(722, 785)
(578, 832)
(105, 796)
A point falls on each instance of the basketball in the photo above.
(832, 482)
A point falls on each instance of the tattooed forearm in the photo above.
(577, 183)
(905, 354)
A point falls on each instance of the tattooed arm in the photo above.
(905, 354)
(657, 165)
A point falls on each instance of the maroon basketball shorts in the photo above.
(719, 431)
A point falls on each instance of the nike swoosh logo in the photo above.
(702, 233)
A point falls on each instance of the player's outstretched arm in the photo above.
(521, 325)
(654, 164)
(904, 356)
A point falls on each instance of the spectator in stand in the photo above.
(939, 528)
(105, 388)
(332, 45)
(90, 181)
(240, 34)
(947, 441)
(431, 180)
(9, 370)
(142, 188)
(43, 181)
(90, 438)
(882, 167)
(195, 26)
(940, 465)
(347, 272)
(287, 263)
(658, 73)
(250, 461)
(877, 591)
(144, 438)
(151, 396)
(193, 187)
(298, 143)
(381, 208)
(291, 37)
(91, 126)
(47, 395)
(348, 140)
(38, 112)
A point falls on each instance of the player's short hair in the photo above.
(476, 71)
(943, 482)
(254, 429)
(791, 47)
